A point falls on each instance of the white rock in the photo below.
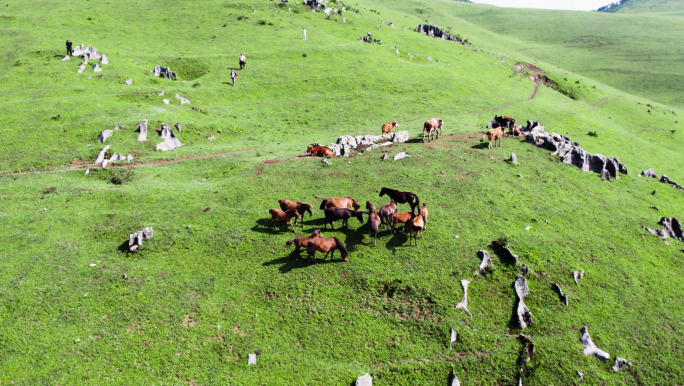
(161, 93)
(87, 171)
(463, 304)
(211, 138)
(142, 126)
(251, 359)
(170, 139)
(97, 68)
(101, 156)
(401, 155)
(104, 135)
(527, 228)
(129, 82)
(104, 60)
(453, 337)
(166, 101)
(81, 68)
(590, 348)
(183, 101)
(364, 380)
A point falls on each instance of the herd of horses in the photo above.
(345, 208)
(498, 130)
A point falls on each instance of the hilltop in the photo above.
(217, 281)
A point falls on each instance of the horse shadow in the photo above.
(265, 225)
(483, 145)
(293, 261)
(415, 140)
(399, 239)
(504, 257)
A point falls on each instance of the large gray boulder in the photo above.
(81, 68)
(142, 126)
(104, 59)
(590, 348)
(524, 314)
(101, 156)
(164, 72)
(400, 136)
(183, 101)
(364, 380)
(170, 139)
(136, 239)
(104, 135)
(97, 68)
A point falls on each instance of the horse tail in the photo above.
(289, 242)
(341, 247)
(323, 204)
(482, 139)
(417, 200)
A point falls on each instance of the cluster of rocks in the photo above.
(88, 53)
(524, 314)
(650, 173)
(136, 239)
(671, 228)
(322, 6)
(102, 161)
(164, 72)
(369, 39)
(170, 139)
(570, 152)
(432, 31)
(346, 143)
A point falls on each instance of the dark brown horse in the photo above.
(505, 122)
(344, 202)
(373, 222)
(416, 225)
(304, 241)
(328, 245)
(401, 197)
(301, 208)
(317, 150)
(344, 214)
(285, 217)
(386, 212)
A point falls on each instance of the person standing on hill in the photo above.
(242, 61)
(70, 48)
(304, 34)
(233, 75)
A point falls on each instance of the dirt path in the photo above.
(135, 164)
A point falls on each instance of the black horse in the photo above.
(344, 214)
(401, 197)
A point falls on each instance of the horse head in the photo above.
(317, 234)
(355, 204)
(358, 215)
(383, 191)
(307, 208)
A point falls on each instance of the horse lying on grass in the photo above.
(300, 242)
(328, 246)
(317, 150)
(344, 214)
(285, 217)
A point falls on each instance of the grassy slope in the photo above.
(203, 297)
(638, 53)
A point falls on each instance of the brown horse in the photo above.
(434, 125)
(401, 218)
(285, 217)
(386, 212)
(345, 202)
(506, 122)
(425, 215)
(344, 214)
(401, 197)
(317, 150)
(373, 222)
(495, 135)
(301, 208)
(304, 241)
(388, 127)
(416, 225)
(328, 245)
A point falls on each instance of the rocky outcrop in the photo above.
(463, 304)
(563, 297)
(650, 173)
(621, 363)
(578, 275)
(346, 144)
(170, 139)
(486, 262)
(590, 348)
(104, 135)
(528, 353)
(164, 72)
(178, 127)
(666, 180)
(89, 52)
(104, 59)
(101, 156)
(432, 31)
(136, 239)
(129, 82)
(524, 314)
(570, 152)
(96, 68)
(142, 126)
(671, 228)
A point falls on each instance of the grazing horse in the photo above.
(328, 245)
(425, 215)
(495, 135)
(434, 125)
(303, 241)
(373, 222)
(388, 127)
(416, 225)
(285, 217)
(344, 214)
(317, 150)
(401, 218)
(301, 208)
(386, 212)
(345, 202)
(401, 197)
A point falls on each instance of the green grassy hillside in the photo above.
(216, 283)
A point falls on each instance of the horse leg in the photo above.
(293, 230)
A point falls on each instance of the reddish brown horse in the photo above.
(328, 245)
(304, 241)
(301, 208)
(285, 217)
(373, 222)
(425, 215)
(317, 150)
(345, 202)
(344, 214)
(401, 197)
(415, 225)
(434, 125)
(388, 127)
(386, 212)
(401, 218)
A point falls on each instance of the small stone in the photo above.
(77, 340)
(257, 352)
(207, 209)
(527, 228)
(317, 196)
(580, 375)
(520, 175)
(514, 158)
(93, 264)
(431, 246)
(124, 276)
(129, 82)
(166, 101)
(251, 359)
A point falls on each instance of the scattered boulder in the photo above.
(118, 157)
(170, 139)
(486, 262)
(432, 31)
(66, 58)
(136, 239)
(453, 336)
(129, 82)
(142, 126)
(81, 68)
(161, 93)
(666, 180)
(578, 275)
(119, 127)
(104, 135)
(100, 157)
(401, 155)
(672, 228)
(212, 138)
(453, 379)
(514, 158)
(590, 348)
(621, 363)
(384, 157)
(528, 345)
(524, 314)
(563, 297)
(89, 52)
(571, 153)
(166, 101)
(164, 72)
(196, 109)
(178, 127)
(364, 380)
(346, 144)
(97, 68)
(463, 304)
(104, 59)
(650, 173)
(183, 101)
(251, 359)
(580, 375)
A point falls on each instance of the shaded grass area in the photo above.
(213, 286)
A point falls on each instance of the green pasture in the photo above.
(216, 283)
